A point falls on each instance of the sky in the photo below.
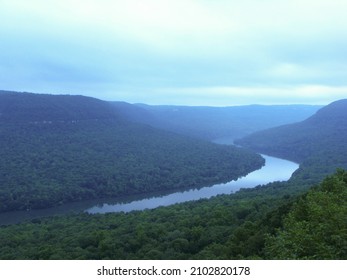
(179, 52)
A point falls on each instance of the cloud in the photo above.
(127, 47)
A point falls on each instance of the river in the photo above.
(275, 169)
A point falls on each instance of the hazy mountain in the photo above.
(320, 140)
(56, 149)
(213, 123)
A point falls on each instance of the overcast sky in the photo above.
(183, 52)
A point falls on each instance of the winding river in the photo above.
(275, 169)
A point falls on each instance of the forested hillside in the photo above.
(57, 149)
(213, 123)
(319, 143)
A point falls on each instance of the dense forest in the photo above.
(58, 149)
(69, 156)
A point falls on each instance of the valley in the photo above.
(59, 150)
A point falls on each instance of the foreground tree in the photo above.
(316, 227)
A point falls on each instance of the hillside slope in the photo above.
(57, 149)
(319, 142)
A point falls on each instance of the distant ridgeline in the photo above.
(319, 143)
(211, 123)
(60, 148)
